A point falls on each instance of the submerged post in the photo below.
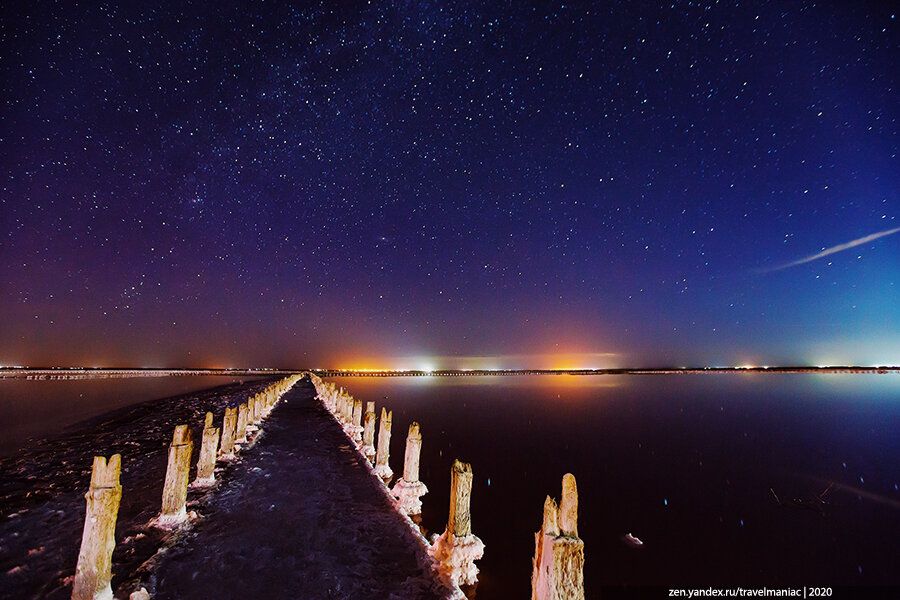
(229, 424)
(558, 564)
(93, 572)
(382, 468)
(409, 490)
(175, 488)
(457, 549)
(206, 464)
(368, 448)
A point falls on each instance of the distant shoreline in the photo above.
(50, 373)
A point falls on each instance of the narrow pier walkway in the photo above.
(299, 517)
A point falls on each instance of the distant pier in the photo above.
(102, 373)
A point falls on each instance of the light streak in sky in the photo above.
(835, 249)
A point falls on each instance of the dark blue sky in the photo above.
(588, 184)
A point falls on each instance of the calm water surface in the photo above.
(687, 463)
(40, 408)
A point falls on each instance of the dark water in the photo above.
(683, 462)
(39, 408)
(42, 485)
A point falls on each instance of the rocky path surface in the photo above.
(300, 516)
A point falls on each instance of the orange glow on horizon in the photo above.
(553, 361)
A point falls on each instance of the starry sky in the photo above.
(447, 184)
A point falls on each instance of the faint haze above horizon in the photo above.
(453, 185)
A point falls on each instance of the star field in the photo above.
(350, 183)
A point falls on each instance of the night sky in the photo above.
(449, 185)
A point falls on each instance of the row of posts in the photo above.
(93, 572)
(558, 563)
(557, 567)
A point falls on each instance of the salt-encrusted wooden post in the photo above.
(368, 448)
(347, 410)
(409, 490)
(357, 413)
(175, 488)
(94, 570)
(252, 411)
(457, 549)
(241, 434)
(206, 464)
(558, 564)
(229, 424)
(382, 468)
(355, 430)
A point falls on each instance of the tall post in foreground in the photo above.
(457, 549)
(206, 464)
(558, 564)
(229, 424)
(175, 488)
(94, 570)
(382, 468)
(408, 490)
(368, 448)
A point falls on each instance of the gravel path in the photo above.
(300, 516)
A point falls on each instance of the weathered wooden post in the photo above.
(382, 468)
(354, 428)
(368, 448)
(93, 572)
(252, 411)
(242, 424)
(229, 424)
(347, 410)
(558, 564)
(457, 549)
(177, 472)
(339, 408)
(409, 490)
(206, 464)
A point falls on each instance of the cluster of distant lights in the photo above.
(431, 369)
(680, 368)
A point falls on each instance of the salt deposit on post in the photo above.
(368, 448)
(558, 564)
(356, 429)
(206, 464)
(382, 468)
(175, 488)
(229, 423)
(241, 435)
(457, 549)
(252, 414)
(94, 570)
(347, 411)
(409, 490)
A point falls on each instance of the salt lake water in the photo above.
(41, 408)
(690, 464)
